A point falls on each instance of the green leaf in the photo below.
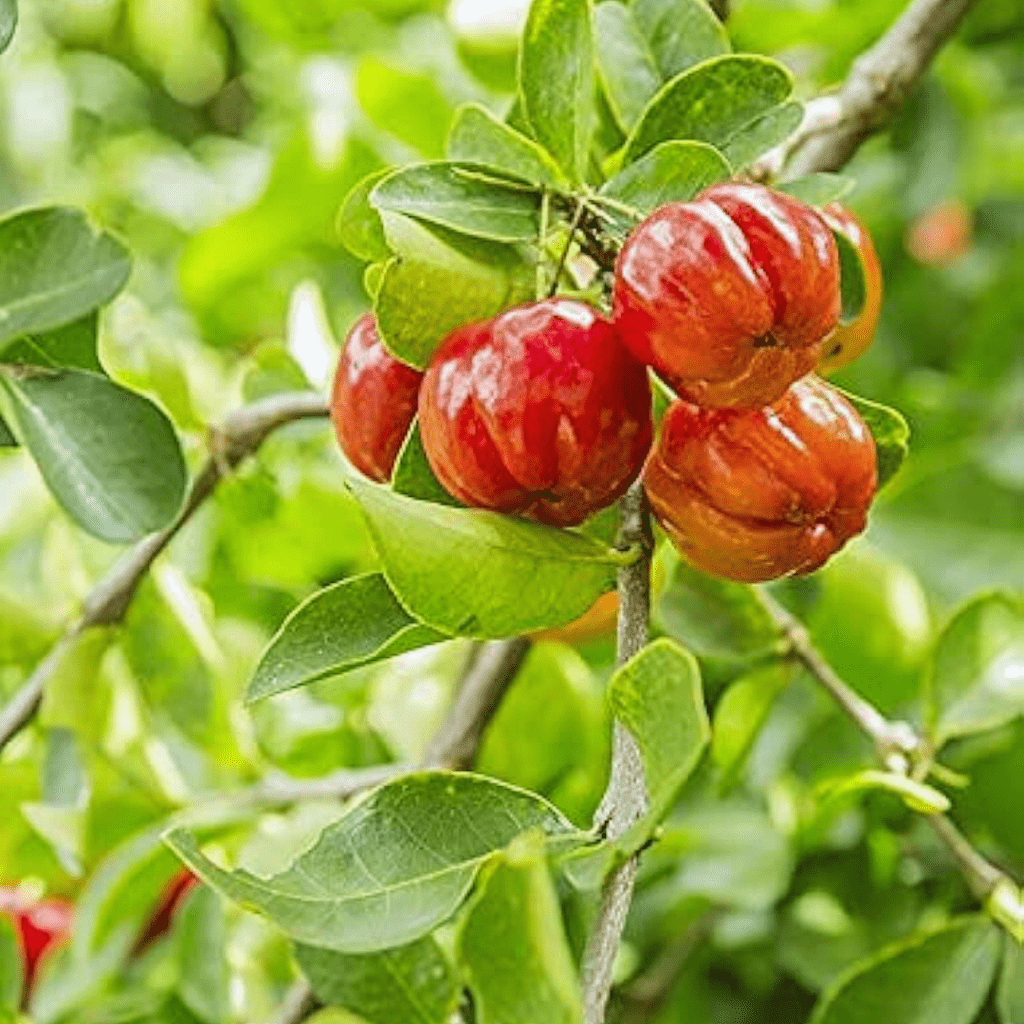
(763, 133)
(629, 71)
(480, 574)
(714, 618)
(916, 795)
(939, 978)
(512, 945)
(11, 969)
(891, 433)
(440, 280)
(454, 197)
(478, 137)
(359, 224)
(352, 623)
(201, 938)
(72, 345)
(396, 865)
(410, 107)
(7, 439)
(852, 284)
(680, 33)
(977, 672)
(557, 81)
(54, 268)
(672, 172)
(110, 456)
(412, 475)
(412, 984)
(1010, 990)
(818, 189)
(657, 695)
(8, 22)
(710, 102)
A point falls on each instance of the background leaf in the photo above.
(680, 33)
(762, 134)
(359, 224)
(72, 345)
(412, 475)
(201, 935)
(818, 189)
(1010, 990)
(628, 68)
(890, 431)
(11, 968)
(409, 106)
(110, 456)
(852, 284)
(8, 22)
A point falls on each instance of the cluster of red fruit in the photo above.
(761, 469)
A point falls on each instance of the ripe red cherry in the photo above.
(539, 411)
(373, 402)
(42, 926)
(752, 495)
(731, 296)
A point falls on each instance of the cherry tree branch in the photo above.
(835, 125)
(241, 434)
(625, 800)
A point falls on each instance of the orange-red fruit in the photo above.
(850, 340)
(42, 927)
(729, 297)
(941, 234)
(539, 411)
(373, 402)
(758, 494)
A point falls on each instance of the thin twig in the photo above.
(241, 435)
(300, 1004)
(880, 80)
(564, 258)
(625, 800)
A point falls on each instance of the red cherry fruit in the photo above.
(752, 495)
(540, 411)
(731, 296)
(373, 402)
(42, 926)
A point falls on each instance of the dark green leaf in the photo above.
(355, 622)
(940, 978)
(852, 285)
(7, 439)
(110, 456)
(657, 695)
(8, 22)
(680, 33)
(890, 431)
(410, 107)
(818, 189)
(763, 134)
(628, 68)
(398, 864)
(439, 281)
(1010, 991)
(359, 224)
(710, 102)
(512, 946)
(413, 984)
(557, 81)
(413, 476)
(473, 573)
(73, 345)
(54, 268)
(977, 673)
(453, 197)
(478, 137)
(201, 935)
(11, 968)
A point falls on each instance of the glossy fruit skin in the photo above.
(729, 297)
(539, 411)
(42, 926)
(852, 339)
(753, 495)
(373, 401)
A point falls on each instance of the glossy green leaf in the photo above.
(110, 456)
(352, 623)
(658, 696)
(359, 224)
(891, 433)
(672, 172)
(478, 137)
(629, 71)
(763, 133)
(8, 22)
(939, 978)
(412, 475)
(399, 862)
(439, 281)
(480, 574)
(1010, 989)
(454, 197)
(512, 946)
(557, 80)
(54, 269)
(680, 33)
(916, 795)
(201, 937)
(710, 102)
(411, 107)
(71, 345)
(412, 984)
(818, 189)
(977, 673)
(11, 968)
